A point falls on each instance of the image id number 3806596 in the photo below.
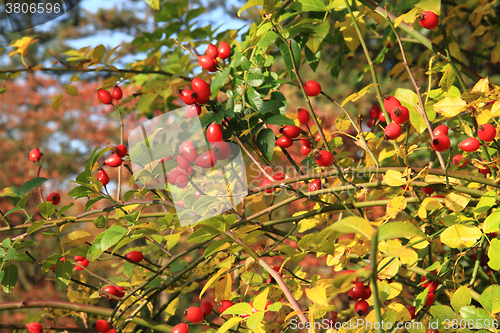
(472, 324)
(23, 7)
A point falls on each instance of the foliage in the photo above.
(370, 216)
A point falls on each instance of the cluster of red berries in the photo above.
(399, 115)
(375, 113)
(199, 94)
(220, 150)
(102, 326)
(197, 314)
(441, 142)
(209, 61)
(359, 293)
(107, 97)
(428, 20)
(115, 160)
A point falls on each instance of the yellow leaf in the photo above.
(484, 116)
(317, 295)
(459, 236)
(390, 270)
(495, 54)
(357, 95)
(349, 32)
(422, 245)
(171, 308)
(342, 123)
(406, 255)
(76, 238)
(212, 279)
(456, 202)
(228, 324)
(422, 213)
(396, 289)
(394, 178)
(495, 109)
(483, 85)
(395, 206)
(431, 204)
(450, 107)
(224, 287)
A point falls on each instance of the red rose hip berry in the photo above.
(400, 115)
(214, 133)
(361, 307)
(469, 144)
(224, 305)
(291, 131)
(428, 20)
(392, 131)
(117, 93)
(206, 62)
(35, 155)
(441, 143)
(323, 157)
(113, 161)
(374, 111)
(120, 150)
(193, 111)
(212, 51)
(429, 300)
(459, 160)
(314, 185)
(34, 327)
(180, 328)
(81, 263)
(357, 291)
(312, 88)
(441, 129)
(390, 103)
(486, 132)
(284, 142)
(206, 308)
(224, 50)
(194, 314)
(103, 177)
(134, 256)
(206, 160)
(305, 150)
(54, 197)
(267, 181)
(102, 326)
(303, 116)
(104, 96)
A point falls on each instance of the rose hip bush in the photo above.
(390, 207)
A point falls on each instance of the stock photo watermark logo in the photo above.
(26, 14)
(170, 153)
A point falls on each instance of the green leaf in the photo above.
(420, 300)
(461, 298)
(9, 276)
(46, 209)
(442, 312)
(285, 53)
(393, 230)
(255, 320)
(490, 299)
(494, 254)
(312, 59)
(238, 309)
(31, 184)
(91, 202)
(61, 210)
(271, 106)
(486, 203)
(354, 224)
(255, 78)
(279, 120)
(250, 3)
(266, 142)
(112, 236)
(312, 5)
(320, 32)
(492, 223)
(408, 98)
(64, 270)
(218, 81)
(100, 222)
(471, 312)
(12, 192)
(267, 40)
(145, 101)
(215, 246)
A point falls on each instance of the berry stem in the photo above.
(420, 109)
(118, 190)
